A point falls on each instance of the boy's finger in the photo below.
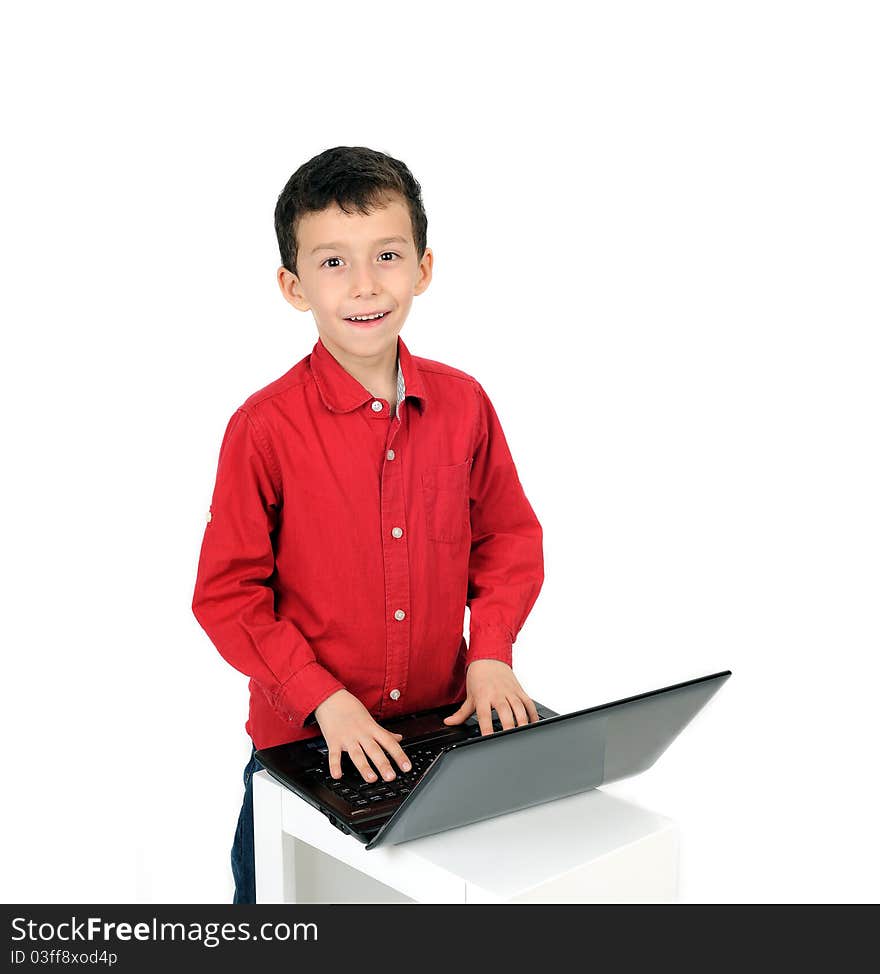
(519, 711)
(484, 715)
(505, 714)
(534, 717)
(401, 757)
(361, 763)
(463, 712)
(379, 759)
(398, 753)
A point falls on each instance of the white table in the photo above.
(587, 848)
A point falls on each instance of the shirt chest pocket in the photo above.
(447, 501)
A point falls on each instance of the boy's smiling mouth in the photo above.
(368, 319)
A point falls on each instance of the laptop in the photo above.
(459, 776)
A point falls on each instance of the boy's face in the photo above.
(352, 264)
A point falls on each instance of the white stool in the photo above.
(587, 848)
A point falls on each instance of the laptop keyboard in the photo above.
(359, 794)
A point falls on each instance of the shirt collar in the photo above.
(341, 392)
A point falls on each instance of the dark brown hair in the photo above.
(352, 177)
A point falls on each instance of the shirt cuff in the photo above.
(490, 642)
(304, 692)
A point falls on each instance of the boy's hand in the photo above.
(491, 683)
(348, 726)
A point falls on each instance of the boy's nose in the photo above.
(364, 283)
(367, 291)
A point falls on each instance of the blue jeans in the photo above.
(243, 846)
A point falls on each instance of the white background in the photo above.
(655, 230)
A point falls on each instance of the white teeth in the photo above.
(366, 317)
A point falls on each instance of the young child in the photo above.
(362, 500)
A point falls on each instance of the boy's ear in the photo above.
(426, 268)
(290, 288)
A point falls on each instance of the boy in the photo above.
(362, 500)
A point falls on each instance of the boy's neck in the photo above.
(378, 374)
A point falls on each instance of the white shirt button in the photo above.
(377, 406)
(390, 454)
(399, 615)
(397, 532)
(395, 694)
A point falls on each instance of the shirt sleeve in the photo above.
(233, 598)
(506, 567)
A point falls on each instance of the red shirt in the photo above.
(343, 544)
